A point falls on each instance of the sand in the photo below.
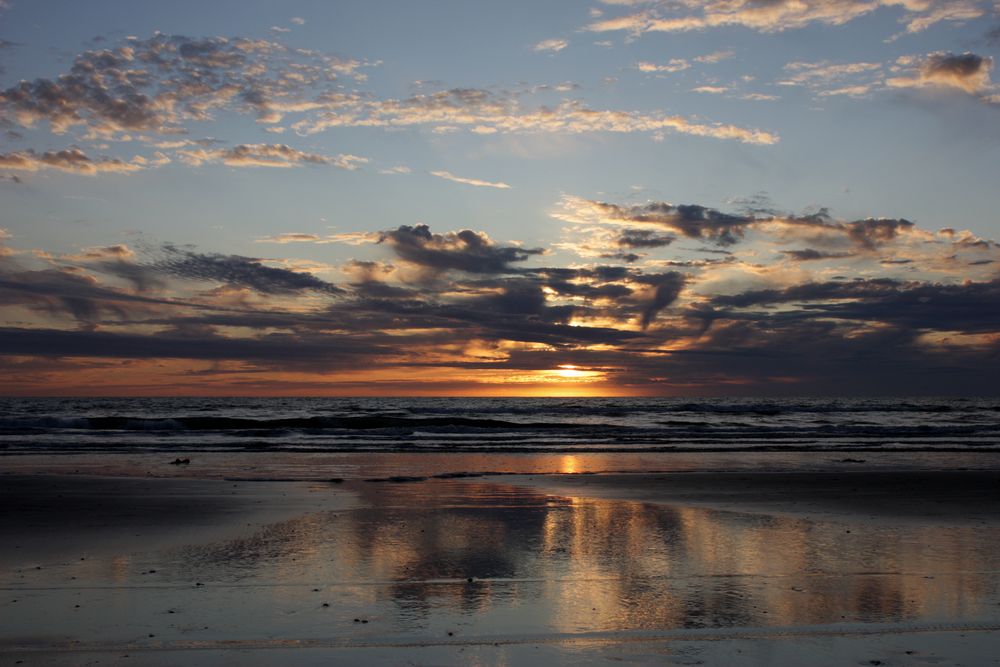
(851, 567)
(922, 496)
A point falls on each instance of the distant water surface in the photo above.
(501, 425)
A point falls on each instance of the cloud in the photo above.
(967, 307)
(958, 10)
(825, 72)
(483, 111)
(691, 221)
(644, 238)
(872, 232)
(826, 305)
(666, 289)
(157, 90)
(967, 72)
(778, 15)
(826, 79)
(64, 290)
(711, 90)
(850, 91)
(268, 349)
(116, 251)
(811, 254)
(465, 250)
(267, 155)
(551, 45)
(469, 181)
(71, 160)
(239, 271)
(715, 57)
(290, 237)
(675, 65)
(398, 169)
(160, 84)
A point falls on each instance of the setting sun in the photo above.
(573, 372)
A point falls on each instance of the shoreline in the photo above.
(325, 466)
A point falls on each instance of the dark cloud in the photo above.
(517, 313)
(972, 307)
(71, 160)
(810, 254)
(666, 288)
(474, 305)
(627, 257)
(240, 271)
(156, 84)
(811, 292)
(644, 238)
(814, 357)
(872, 232)
(962, 65)
(967, 72)
(696, 263)
(60, 292)
(284, 349)
(589, 290)
(638, 224)
(689, 220)
(142, 278)
(466, 250)
(85, 94)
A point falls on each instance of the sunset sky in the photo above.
(624, 197)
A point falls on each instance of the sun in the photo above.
(569, 371)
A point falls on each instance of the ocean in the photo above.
(502, 425)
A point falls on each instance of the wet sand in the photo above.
(921, 496)
(689, 568)
(50, 518)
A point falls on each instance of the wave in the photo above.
(442, 425)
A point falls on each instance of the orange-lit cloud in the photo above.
(712, 301)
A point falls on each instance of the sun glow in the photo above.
(574, 372)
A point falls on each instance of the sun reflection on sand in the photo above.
(569, 564)
(477, 558)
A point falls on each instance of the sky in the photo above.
(614, 198)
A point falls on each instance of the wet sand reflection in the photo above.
(497, 559)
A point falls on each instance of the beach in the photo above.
(499, 334)
(844, 566)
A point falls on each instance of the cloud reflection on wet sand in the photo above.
(495, 562)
